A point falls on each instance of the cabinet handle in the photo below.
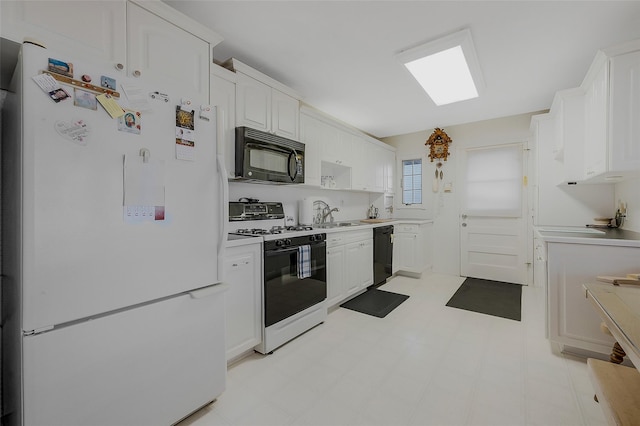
(464, 225)
(119, 67)
(137, 73)
(235, 265)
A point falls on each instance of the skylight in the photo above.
(447, 69)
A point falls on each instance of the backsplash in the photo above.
(353, 205)
(628, 193)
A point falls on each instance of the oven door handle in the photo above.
(276, 252)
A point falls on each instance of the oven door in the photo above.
(284, 293)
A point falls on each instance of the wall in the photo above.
(442, 207)
(629, 192)
(352, 205)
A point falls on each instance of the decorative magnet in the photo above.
(60, 67)
(108, 82)
(158, 95)
(185, 104)
(86, 78)
(205, 112)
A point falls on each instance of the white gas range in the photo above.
(294, 270)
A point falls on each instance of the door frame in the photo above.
(527, 199)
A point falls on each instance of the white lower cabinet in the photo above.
(243, 303)
(572, 320)
(349, 264)
(411, 243)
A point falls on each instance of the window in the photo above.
(412, 181)
(494, 181)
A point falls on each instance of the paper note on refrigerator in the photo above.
(110, 105)
(143, 190)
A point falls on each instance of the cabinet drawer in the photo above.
(335, 239)
(353, 236)
(406, 227)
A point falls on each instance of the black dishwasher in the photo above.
(382, 253)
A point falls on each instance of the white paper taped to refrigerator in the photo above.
(144, 188)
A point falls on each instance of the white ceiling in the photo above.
(340, 55)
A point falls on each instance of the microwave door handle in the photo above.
(293, 154)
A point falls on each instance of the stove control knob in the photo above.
(287, 242)
(279, 243)
(319, 237)
(312, 237)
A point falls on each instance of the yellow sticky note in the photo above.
(110, 105)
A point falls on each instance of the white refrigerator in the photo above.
(109, 319)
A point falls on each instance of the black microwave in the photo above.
(264, 157)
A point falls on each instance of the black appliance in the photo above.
(382, 254)
(264, 157)
(285, 293)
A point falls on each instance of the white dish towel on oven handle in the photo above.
(304, 261)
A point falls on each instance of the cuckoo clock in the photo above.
(438, 145)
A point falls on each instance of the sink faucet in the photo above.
(328, 213)
(323, 211)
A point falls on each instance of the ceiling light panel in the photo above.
(446, 68)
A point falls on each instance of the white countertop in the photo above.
(241, 240)
(363, 225)
(584, 235)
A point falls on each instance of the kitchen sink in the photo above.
(335, 225)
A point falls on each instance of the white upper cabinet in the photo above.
(624, 116)
(163, 52)
(285, 112)
(311, 135)
(596, 107)
(135, 37)
(253, 103)
(569, 111)
(340, 158)
(92, 30)
(263, 103)
(389, 158)
(223, 97)
(612, 115)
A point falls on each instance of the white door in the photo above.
(493, 232)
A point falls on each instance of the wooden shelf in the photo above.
(618, 391)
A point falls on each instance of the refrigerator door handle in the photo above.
(211, 290)
(222, 172)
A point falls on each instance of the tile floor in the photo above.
(424, 364)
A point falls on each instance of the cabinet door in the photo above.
(243, 299)
(335, 275)
(337, 146)
(360, 159)
(253, 103)
(353, 273)
(572, 319)
(596, 103)
(285, 113)
(624, 119)
(223, 97)
(311, 131)
(407, 251)
(92, 30)
(165, 54)
(377, 168)
(389, 170)
(366, 263)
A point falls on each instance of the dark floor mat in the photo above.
(489, 297)
(375, 302)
